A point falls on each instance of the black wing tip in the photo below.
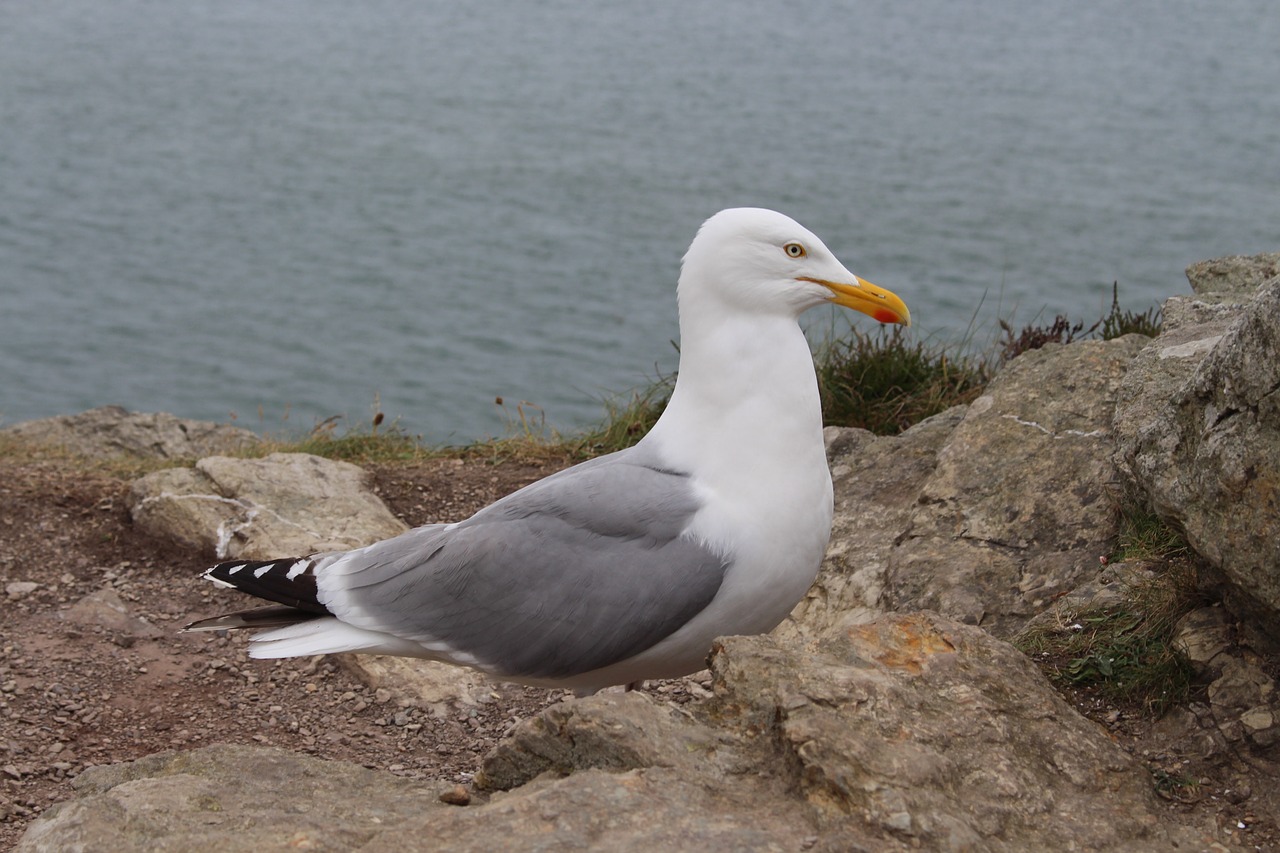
(291, 581)
(258, 617)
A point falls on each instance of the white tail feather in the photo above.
(329, 636)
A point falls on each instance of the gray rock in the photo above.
(1203, 637)
(916, 731)
(105, 609)
(1192, 327)
(16, 590)
(1017, 511)
(654, 808)
(1246, 706)
(1199, 436)
(901, 734)
(1235, 275)
(912, 732)
(1156, 377)
(438, 687)
(111, 432)
(877, 482)
(282, 505)
(610, 731)
(232, 799)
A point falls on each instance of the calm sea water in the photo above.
(288, 210)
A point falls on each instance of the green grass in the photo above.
(1183, 789)
(1145, 536)
(370, 445)
(1111, 652)
(885, 382)
(361, 444)
(1119, 322)
(1124, 651)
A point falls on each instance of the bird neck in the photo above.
(746, 395)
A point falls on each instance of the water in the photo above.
(285, 211)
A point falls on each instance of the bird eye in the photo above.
(794, 250)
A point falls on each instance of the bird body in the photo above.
(628, 566)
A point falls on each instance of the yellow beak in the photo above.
(875, 302)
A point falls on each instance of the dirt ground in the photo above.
(75, 693)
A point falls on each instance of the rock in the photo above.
(1017, 511)
(456, 796)
(422, 683)
(911, 732)
(1246, 706)
(612, 731)
(908, 733)
(16, 590)
(877, 483)
(1156, 376)
(282, 505)
(916, 731)
(1191, 327)
(110, 432)
(1235, 276)
(234, 799)
(1198, 433)
(105, 609)
(1203, 637)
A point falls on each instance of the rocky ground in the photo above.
(111, 679)
(93, 669)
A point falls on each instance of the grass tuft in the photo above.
(1146, 536)
(353, 446)
(1119, 322)
(884, 383)
(1060, 331)
(1124, 650)
(1182, 789)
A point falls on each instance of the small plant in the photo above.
(1122, 651)
(1061, 331)
(529, 423)
(1182, 789)
(884, 383)
(1118, 322)
(1146, 536)
(391, 444)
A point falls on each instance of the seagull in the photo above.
(626, 567)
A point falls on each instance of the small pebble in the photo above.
(20, 589)
(456, 796)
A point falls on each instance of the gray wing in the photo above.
(572, 573)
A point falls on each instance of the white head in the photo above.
(757, 261)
